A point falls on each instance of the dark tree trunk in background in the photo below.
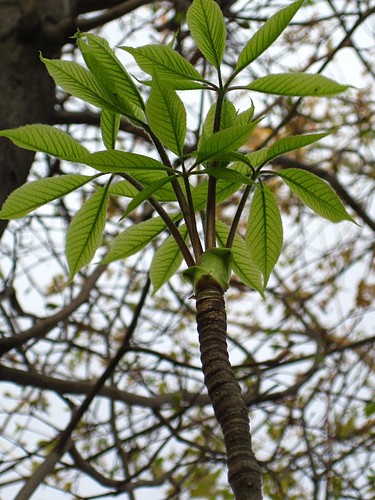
(27, 92)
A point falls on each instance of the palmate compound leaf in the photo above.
(168, 64)
(316, 194)
(267, 34)
(284, 145)
(34, 194)
(243, 264)
(166, 261)
(46, 139)
(104, 64)
(85, 232)
(264, 231)
(166, 115)
(207, 26)
(297, 84)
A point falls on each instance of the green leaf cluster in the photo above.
(218, 162)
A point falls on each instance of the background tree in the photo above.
(304, 361)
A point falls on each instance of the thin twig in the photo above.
(64, 441)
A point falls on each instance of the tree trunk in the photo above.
(27, 92)
(226, 397)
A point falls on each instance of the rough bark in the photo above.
(27, 92)
(226, 396)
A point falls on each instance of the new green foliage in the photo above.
(297, 84)
(207, 26)
(103, 63)
(316, 194)
(166, 115)
(284, 145)
(46, 139)
(35, 194)
(221, 168)
(168, 64)
(228, 116)
(81, 83)
(228, 174)
(147, 193)
(225, 140)
(166, 261)
(133, 239)
(122, 161)
(266, 35)
(243, 264)
(85, 232)
(264, 231)
(123, 188)
(109, 125)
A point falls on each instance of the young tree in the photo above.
(173, 180)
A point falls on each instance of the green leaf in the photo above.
(34, 194)
(134, 239)
(245, 117)
(46, 139)
(266, 35)
(109, 125)
(168, 64)
(166, 261)
(166, 115)
(228, 115)
(123, 188)
(144, 169)
(224, 188)
(264, 232)
(228, 174)
(207, 26)
(316, 194)
(297, 84)
(103, 63)
(80, 83)
(285, 145)
(237, 157)
(120, 161)
(243, 264)
(85, 232)
(146, 194)
(229, 139)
